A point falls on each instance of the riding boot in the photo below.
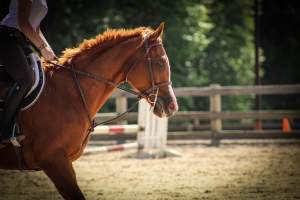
(11, 106)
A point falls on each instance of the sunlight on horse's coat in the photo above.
(111, 35)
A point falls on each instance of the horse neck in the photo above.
(111, 65)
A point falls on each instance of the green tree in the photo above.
(207, 41)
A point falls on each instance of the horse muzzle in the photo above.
(165, 107)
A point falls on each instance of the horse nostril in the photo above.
(172, 106)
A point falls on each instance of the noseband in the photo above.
(149, 94)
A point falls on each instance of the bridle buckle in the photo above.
(152, 97)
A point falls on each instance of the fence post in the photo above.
(121, 106)
(215, 107)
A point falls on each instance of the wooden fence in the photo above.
(216, 115)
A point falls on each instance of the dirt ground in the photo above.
(260, 170)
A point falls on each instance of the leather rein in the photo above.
(149, 94)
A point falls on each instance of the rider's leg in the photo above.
(16, 65)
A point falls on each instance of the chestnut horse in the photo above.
(57, 126)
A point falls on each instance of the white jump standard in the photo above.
(151, 135)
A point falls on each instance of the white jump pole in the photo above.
(116, 129)
(153, 133)
(119, 147)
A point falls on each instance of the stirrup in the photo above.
(13, 138)
(14, 142)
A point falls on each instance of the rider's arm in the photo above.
(31, 34)
(25, 26)
(39, 31)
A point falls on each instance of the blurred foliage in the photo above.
(207, 41)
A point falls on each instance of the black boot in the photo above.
(11, 106)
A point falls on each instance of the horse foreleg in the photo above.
(60, 170)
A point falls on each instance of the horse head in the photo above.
(151, 74)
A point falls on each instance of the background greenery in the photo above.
(207, 41)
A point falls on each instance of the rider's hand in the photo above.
(48, 54)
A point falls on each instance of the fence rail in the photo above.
(226, 90)
(206, 135)
(216, 115)
(192, 115)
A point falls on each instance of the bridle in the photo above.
(149, 94)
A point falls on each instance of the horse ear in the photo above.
(158, 32)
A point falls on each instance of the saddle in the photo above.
(39, 80)
(6, 83)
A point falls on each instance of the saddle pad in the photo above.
(38, 86)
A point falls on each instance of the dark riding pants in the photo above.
(14, 59)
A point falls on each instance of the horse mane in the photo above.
(114, 35)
